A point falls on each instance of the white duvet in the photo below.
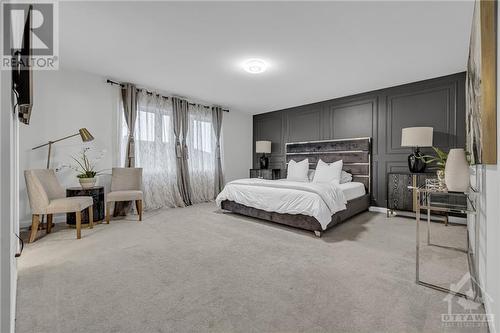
(319, 200)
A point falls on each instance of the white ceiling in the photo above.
(317, 51)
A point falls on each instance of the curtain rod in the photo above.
(151, 93)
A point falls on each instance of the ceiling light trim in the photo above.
(255, 66)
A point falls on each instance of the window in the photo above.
(203, 139)
(145, 126)
(166, 129)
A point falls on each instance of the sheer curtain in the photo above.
(155, 151)
(201, 152)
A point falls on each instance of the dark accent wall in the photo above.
(379, 114)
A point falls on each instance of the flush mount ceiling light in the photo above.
(255, 66)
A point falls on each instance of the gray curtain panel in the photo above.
(129, 99)
(181, 127)
(217, 125)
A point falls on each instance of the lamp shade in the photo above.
(85, 134)
(263, 147)
(416, 137)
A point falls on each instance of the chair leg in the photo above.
(91, 217)
(78, 224)
(35, 222)
(138, 206)
(49, 223)
(108, 208)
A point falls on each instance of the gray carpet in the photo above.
(199, 270)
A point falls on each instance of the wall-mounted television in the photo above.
(22, 88)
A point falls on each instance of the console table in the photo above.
(97, 194)
(446, 202)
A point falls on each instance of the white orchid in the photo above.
(85, 166)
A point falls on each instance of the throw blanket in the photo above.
(320, 200)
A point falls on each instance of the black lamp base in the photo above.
(264, 162)
(415, 162)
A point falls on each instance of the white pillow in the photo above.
(326, 173)
(298, 171)
(345, 177)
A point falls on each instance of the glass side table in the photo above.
(440, 200)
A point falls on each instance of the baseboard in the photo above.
(60, 218)
(487, 309)
(376, 209)
(24, 224)
(487, 300)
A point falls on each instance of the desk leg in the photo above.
(417, 218)
(414, 184)
(472, 271)
(428, 224)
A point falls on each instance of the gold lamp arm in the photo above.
(51, 142)
(83, 132)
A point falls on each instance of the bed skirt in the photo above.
(306, 222)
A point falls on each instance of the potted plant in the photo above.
(439, 160)
(86, 169)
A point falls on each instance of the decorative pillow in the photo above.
(326, 173)
(310, 174)
(297, 171)
(345, 177)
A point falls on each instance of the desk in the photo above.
(447, 202)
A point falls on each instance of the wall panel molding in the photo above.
(381, 114)
(304, 124)
(340, 121)
(423, 117)
(270, 127)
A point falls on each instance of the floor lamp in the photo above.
(82, 132)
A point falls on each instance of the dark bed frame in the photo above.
(356, 156)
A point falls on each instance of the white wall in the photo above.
(65, 101)
(488, 228)
(488, 238)
(237, 145)
(68, 100)
(9, 218)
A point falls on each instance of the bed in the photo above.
(308, 206)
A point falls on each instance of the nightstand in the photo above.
(265, 173)
(399, 197)
(97, 194)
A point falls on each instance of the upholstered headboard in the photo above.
(355, 154)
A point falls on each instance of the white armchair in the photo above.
(47, 197)
(126, 185)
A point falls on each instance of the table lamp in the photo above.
(416, 137)
(263, 147)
